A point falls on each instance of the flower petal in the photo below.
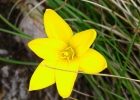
(43, 76)
(92, 62)
(46, 48)
(56, 27)
(81, 42)
(65, 80)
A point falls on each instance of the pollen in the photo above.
(68, 53)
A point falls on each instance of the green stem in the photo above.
(12, 26)
(17, 34)
(18, 62)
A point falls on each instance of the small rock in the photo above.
(3, 52)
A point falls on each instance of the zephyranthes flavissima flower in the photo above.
(64, 51)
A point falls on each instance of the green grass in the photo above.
(118, 40)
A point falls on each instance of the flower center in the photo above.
(67, 53)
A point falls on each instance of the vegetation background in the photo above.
(117, 23)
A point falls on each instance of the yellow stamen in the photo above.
(67, 53)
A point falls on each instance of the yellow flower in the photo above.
(65, 51)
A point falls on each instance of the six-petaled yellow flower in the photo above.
(65, 51)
